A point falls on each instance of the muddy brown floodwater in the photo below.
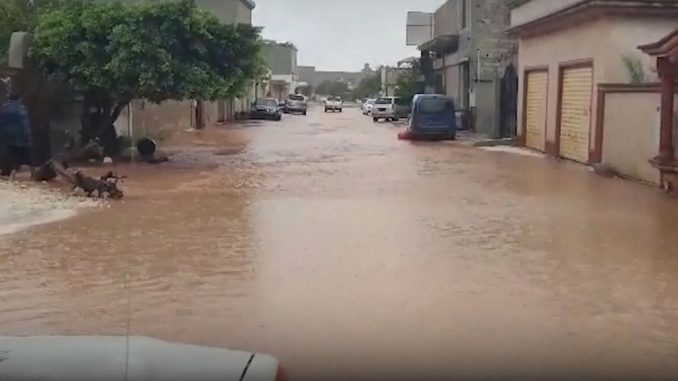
(348, 254)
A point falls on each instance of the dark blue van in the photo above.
(433, 118)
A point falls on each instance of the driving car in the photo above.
(266, 108)
(103, 358)
(296, 103)
(334, 103)
(367, 106)
(388, 108)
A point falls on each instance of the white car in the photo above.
(367, 106)
(386, 108)
(101, 358)
(334, 104)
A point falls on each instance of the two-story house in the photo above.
(281, 59)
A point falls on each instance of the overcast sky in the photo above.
(341, 34)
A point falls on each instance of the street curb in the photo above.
(512, 142)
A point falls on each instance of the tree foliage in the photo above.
(112, 54)
(338, 88)
(20, 16)
(634, 68)
(409, 84)
(368, 87)
(306, 90)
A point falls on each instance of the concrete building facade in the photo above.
(281, 59)
(310, 75)
(467, 57)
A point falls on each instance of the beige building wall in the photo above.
(631, 134)
(604, 41)
(159, 121)
(535, 9)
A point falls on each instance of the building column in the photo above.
(666, 149)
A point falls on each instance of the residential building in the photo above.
(281, 59)
(389, 79)
(579, 96)
(173, 115)
(467, 57)
(314, 77)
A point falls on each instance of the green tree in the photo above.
(367, 87)
(338, 88)
(306, 90)
(409, 84)
(19, 16)
(112, 54)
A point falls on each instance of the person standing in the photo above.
(15, 129)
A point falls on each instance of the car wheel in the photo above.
(375, 119)
(396, 119)
(304, 113)
(325, 110)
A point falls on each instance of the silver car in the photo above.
(296, 103)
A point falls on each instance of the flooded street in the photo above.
(328, 243)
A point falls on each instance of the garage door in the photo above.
(575, 114)
(535, 110)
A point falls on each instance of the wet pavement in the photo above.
(346, 253)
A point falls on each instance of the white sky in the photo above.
(341, 34)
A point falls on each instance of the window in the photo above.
(464, 11)
(296, 97)
(384, 101)
(435, 105)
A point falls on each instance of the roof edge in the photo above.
(659, 47)
(578, 7)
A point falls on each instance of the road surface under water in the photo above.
(348, 254)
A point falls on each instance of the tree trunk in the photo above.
(97, 120)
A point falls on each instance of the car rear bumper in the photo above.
(446, 134)
(263, 115)
(383, 114)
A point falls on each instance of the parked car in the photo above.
(389, 108)
(367, 106)
(334, 104)
(296, 103)
(433, 118)
(266, 108)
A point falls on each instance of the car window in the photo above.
(296, 97)
(267, 102)
(384, 101)
(435, 105)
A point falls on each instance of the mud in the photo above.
(325, 241)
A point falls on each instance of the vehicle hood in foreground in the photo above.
(99, 358)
